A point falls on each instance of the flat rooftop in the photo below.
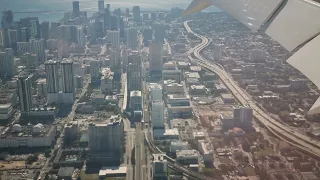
(25, 131)
(114, 170)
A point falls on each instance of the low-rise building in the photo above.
(227, 98)
(107, 81)
(198, 90)
(178, 100)
(174, 88)
(6, 111)
(97, 98)
(178, 146)
(179, 111)
(172, 74)
(206, 151)
(188, 157)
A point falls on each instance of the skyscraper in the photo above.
(114, 23)
(7, 63)
(80, 36)
(157, 114)
(114, 38)
(25, 34)
(101, 6)
(38, 47)
(54, 32)
(243, 117)
(154, 16)
(95, 70)
(25, 94)
(216, 52)
(44, 30)
(23, 47)
(127, 12)
(34, 30)
(159, 32)
(134, 72)
(13, 38)
(147, 36)
(106, 18)
(7, 19)
(121, 27)
(51, 68)
(155, 57)
(75, 8)
(131, 38)
(67, 77)
(136, 13)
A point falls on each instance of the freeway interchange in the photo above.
(296, 139)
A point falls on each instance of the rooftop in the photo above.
(30, 130)
(112, 170)
(66, 171)
(187, 152)
(177, 96)
(135, 93)
(159, 158)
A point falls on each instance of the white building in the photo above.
(131, 37)
(114, 38)
(155, 91)
(157, 114)
(5, 111)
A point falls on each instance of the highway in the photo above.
(298, 140)
(140, 153)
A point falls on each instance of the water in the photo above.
(91, 6)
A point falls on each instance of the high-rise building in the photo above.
(242, 117)
(101, 6)
(30, 61)
(17, 26)
(13, 38)
(38, 48)
(136, 13)
(258, 55)
(113, 37)
(107, 18)
(115, 59)
(95, 70)
(134, 72)
(108, 6)
(7, 63)
(34, 29)
(131, 38)
(52, 77)
(44, 30)
(54, 33)
(117, 12)
(7, 19)
(217, 51)
(135, 101)
(155, 57)
(157, 114)
(121, 27)
(23, 47)
(147, 35)
(25, 34)
(67, 77)
(127, 12)
(25, 94)
(114, 23)
(155, 92)
(75, 8)
(80, 36)
(145, 16)
(159, 32)
(159, 166)
(154, 16)
(106, 137)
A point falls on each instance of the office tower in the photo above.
(121, 27)
(34, 30)
(155, 57)
(114, 23)
(95, 70)
(80, 36)
(75, 9)
(147, 36)
(154, 16)
(67, 77)
(107, 18)
(17, 26)
(145, 16)
(159, 32)
(161, 15)
(117, 12)
(135, 103)
(131, 38)
(30, 60)
(258, 55)
(25, 94)
(106, 137)
(13, 38)
(68, 33)
(44, 30)
(108, 6)
(159, 166)
(243, 117)
(157, 114)
(7, 63)
(1, 37)
(7, 19)
(52, 77)
(127, 12)
(113, 37)
(115, 59)
(101, 6)
(155, 92)
(136, 13)
(52, 44)
(25, 34)
(54, 32)
(134, 72)
(38, 48)
(23, 47)
(217, 51)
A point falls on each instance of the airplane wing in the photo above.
(292, 23)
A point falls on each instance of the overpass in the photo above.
(296, 139)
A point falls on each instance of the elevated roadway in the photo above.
(296, 139)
